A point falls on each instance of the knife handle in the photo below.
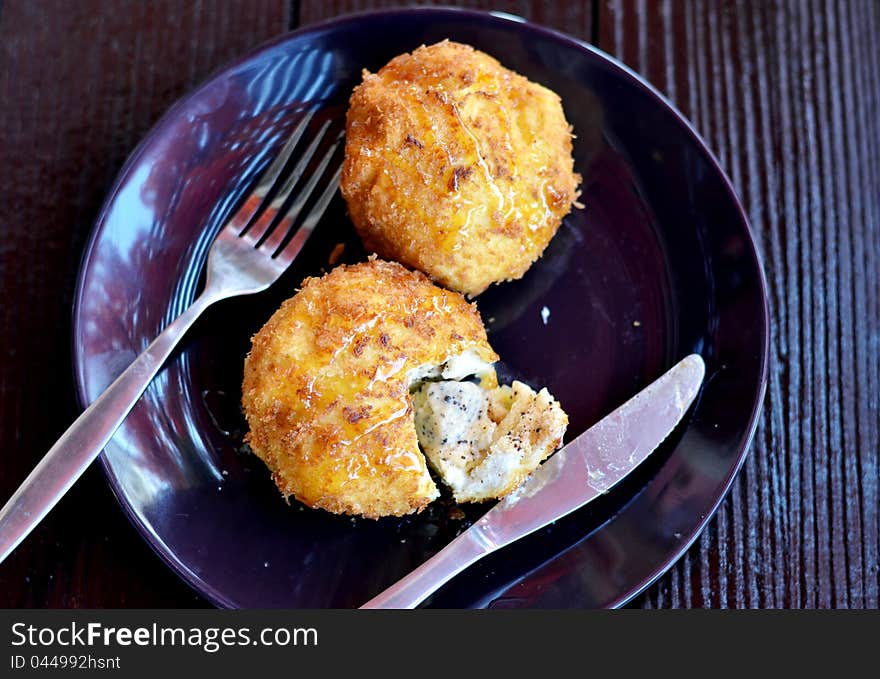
(409, 592)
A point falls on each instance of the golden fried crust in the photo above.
(326, 392)
(457, 166)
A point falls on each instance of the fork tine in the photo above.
(252, 203)
(300, 167)
(264, 222)
(280, 233)
(291, 250)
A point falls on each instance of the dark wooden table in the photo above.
(786, 93)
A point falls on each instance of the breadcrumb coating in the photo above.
(326, 386)
(457, 166)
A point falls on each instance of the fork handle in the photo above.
(85, 439)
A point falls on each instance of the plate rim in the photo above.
(194, 581)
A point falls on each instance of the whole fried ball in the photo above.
(326, 385)
(457, 166)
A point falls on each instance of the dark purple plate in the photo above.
(659, 264)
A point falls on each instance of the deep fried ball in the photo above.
(457, 166)
(326, 385)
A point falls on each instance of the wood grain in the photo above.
(80, 84)
(786, 95)
(575, 18)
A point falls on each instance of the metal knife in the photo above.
(584, 469)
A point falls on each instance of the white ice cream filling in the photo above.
(465, 364)
(481, 442)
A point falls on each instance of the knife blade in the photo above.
(587, 467)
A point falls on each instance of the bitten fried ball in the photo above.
(457, 166)
(326, 385)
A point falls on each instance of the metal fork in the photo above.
(255, 246)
